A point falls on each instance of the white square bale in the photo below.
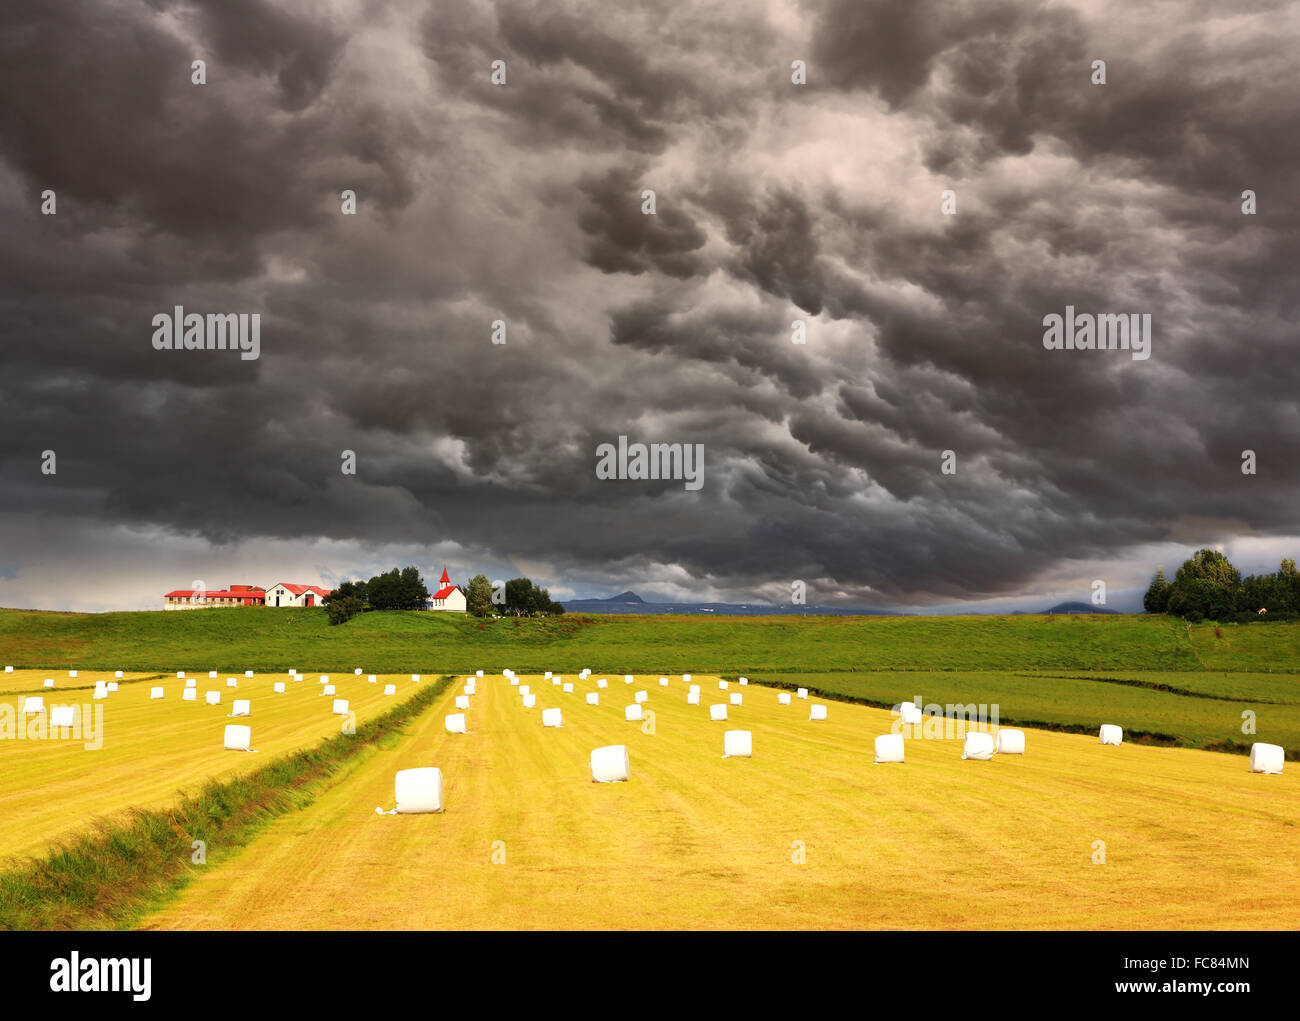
(1266, 758)
(632, 713)
(1010, 742)
(455, 723)
(418, 791)
(816, 711)
(611, 764)
(737, 744)
(1111, 734)
(717, 712)
(155, 693)
(977, 746)
(238, 737)
(552, 718)
(462, 701)
(593, 698)
(737, 698)
(241, 707)
(212, 697)
(340, 707)
(889, 748)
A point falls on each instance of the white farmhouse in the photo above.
(448, 598)
(285, 594)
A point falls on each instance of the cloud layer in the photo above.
(522, 202)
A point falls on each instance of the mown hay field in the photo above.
(144, 751)
(806, 834)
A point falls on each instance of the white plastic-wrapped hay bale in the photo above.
(552, 718)
(737, 698)
(584, 673)
(241, 707)
(632, 713)
(248, 673)
(293, 672)
(72, 673)
(549, 675)
(462, 701)
(180, 674)
(717, 711)
(1010, 742)
(686, 678)
(743, 680)
(802, 693)
(783, 698)
(816, 711)
(373, 679)
(112, 686)
(33, 704)
(478, 673)
(692, 698)
(357, 672)
(910, 713)
(602, 683)
(889, 748)
(212, 675)
(63, 716)
(190, 682)
(611, 764)
(101, 690)
(593, 698)
(1111, 734)
(279, 687)
(340, 707)
(239, 737)
(49, 683)
(514, 682)
(557, 681)
(628, 678)
(117, 674)
(418, 791)
(695, 688)
(525, 689)
(231, 683)
(507, 673)
(415, 678)
(327, 690)
(1266, 758)
(530, 701)
(297, 678)
(9, 669)
(324, 678)
(212, 697)
(641, 696)
(737, 744)
(190, 695)
(977, 746)
(390, 689)
(568, 688)
(155, 693)
(723, 685)
(455, 723)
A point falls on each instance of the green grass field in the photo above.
(276, 639)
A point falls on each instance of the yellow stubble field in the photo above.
(132, 751)
(806, 834)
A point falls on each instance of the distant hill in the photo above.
(1077, 607)
(630, 602)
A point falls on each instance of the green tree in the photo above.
(342, 610)
(1157, 598)
(478, 597)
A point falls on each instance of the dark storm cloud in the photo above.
(775, 202)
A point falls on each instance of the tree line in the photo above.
(404, 589)
(1208, 587)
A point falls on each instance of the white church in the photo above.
(448, 598)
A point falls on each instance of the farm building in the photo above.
(448, 598)
(285, 594)
(202, 599)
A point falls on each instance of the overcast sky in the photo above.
(523, 202)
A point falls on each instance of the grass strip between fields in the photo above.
(1151, 737)
(113, 876)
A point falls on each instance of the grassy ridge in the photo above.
(275, 639)
(112, 876)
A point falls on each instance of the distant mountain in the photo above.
(630, 602)
(1079, 608)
